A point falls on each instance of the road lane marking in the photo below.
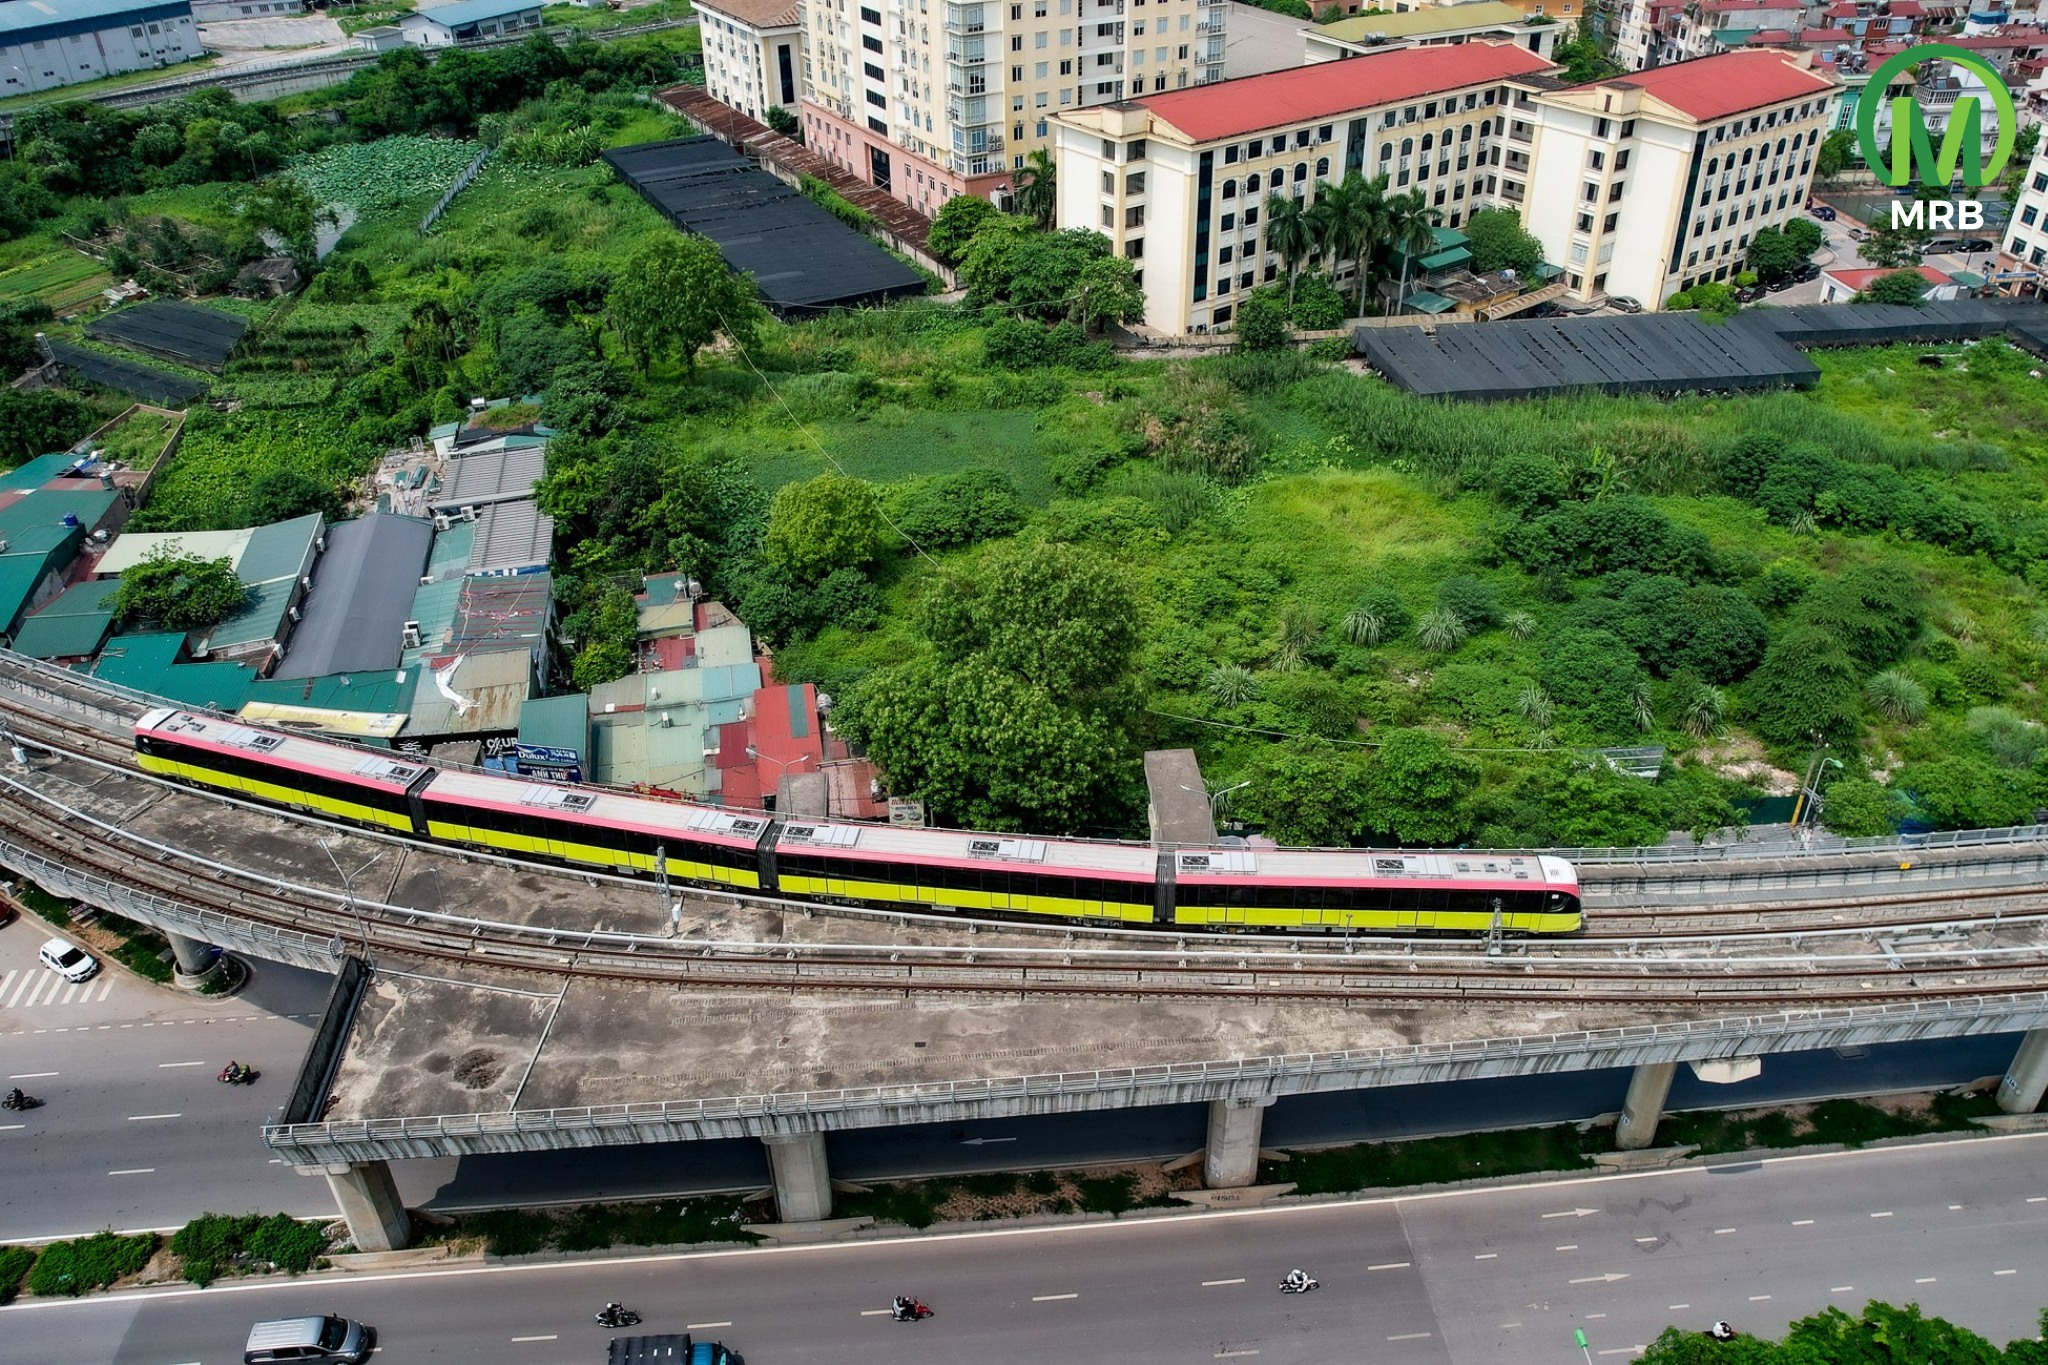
(1392, 1265)
(10, 1127)
(1880, 1215)
(33, 1075)
(1228, 1355)
(166, 1066)
(1052, 1298)
(106, 991)
(1569, 1246)
(1619, 1351)
(701, 1326)
(2038, 1199)
(1722, 1232)
(1928, 1280)
(20, 986)
(139, 1170)
(1215, 1284)
(1953, 1207)
(1995, 1272)
(144, 1118)
(1609, 1278)
(1646, 1239)
(1676, 1307)
(1590, 1317)
(6, 981)
(1759, 1298)
(1487, 1256)
(1843, 1289)
(1802, 1222)
(1411, 1336)
(552, 1336)
(873, 1312)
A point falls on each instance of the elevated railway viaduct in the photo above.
(484, 1005)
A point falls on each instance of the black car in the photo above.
(1807, 271)
(1824, 213)
(1977, 244)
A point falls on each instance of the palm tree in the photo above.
(1411, 230)
(1033, 186)
(1367, 203)
(1288, 232)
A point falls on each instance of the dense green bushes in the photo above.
(214, 1244)
(88, 1263)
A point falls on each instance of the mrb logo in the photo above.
(1913, 149)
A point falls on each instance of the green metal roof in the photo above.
(1445, 259)
(75, 625)
(19, 577)
(1547, 272)
(38, 471)
(556, 722)
(379, 692)
(149, 663)
(49, 507)
(434, 607)
(1968, 279)
(279, 551)
(450, 556)
(1423, 301)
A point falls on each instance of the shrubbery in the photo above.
(214, 1244)
(88, 1263)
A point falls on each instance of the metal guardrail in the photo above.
(1248, 1076)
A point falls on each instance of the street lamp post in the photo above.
(782, 765)
(348, 891)
(1216, 799)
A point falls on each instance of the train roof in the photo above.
(597, 806)
(1069, 857)
(227, 735)
(1458, 869)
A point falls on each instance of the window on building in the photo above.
(1251, 217)
(1583, 223)
(1108, 216)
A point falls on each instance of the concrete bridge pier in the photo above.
(2026, 1080)
(1231, 1159)
(377, 1220)
(197, 960)
(1644, 1105)
(803, 1183)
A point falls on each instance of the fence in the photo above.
(462, 182)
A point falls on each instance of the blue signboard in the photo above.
(541, 760)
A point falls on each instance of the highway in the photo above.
(1499, 1275)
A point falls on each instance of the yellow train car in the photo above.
(284, 770)
(976, 874)
(1366, 891)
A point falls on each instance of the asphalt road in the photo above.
(1502, 1275)
(134, 1131)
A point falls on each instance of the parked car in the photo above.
(1624, 304)
(1858, 235)
(1824, 213)
(68, 960)
(1978, 244)
(1749, 293)
(1807, 271)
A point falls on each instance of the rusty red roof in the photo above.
(1715, 87)
(1227, 109)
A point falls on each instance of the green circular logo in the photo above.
(1909, 129)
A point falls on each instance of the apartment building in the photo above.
(1178, 181)
(753, 54)
(2024, 252)
(1652, 182)
(1655, 32)
(932, 98)
(1463, 23)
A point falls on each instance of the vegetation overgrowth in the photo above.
(1016, 560)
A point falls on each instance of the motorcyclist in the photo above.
(1721, 1331)
(1297, 1278)
(899, 1308)
(15, 1099)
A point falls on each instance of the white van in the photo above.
(68, 960)
(308, 1339)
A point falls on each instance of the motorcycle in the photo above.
(617, 1315)
(234, 1073)
(1299, 1284)
(1720, 1331)
(910, 1310)
(19, 1102)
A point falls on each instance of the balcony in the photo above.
(965, 19)
(967, 51)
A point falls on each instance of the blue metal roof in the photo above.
(28, 20)
(476, 11)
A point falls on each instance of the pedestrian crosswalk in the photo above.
(28, 987)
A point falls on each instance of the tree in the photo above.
(1836, 150)
(958, 509)
(1377, 616)
(2024, 143)
(1261, 323)
(1418, 791)
(1287, 232)
(172, 591)
(959, 218)
(1037, 196)
(1063, 615)
(1899, 287)
(283, 494)
(1306, 795)
(284, 207)
(1411, 230)
(1582, 58)
(607, 638)
(1107, 290)
(785, 123)
(1349, 221)
(1895, 248)
(1594, 677)
(37, 421)
(1808, 689)
(830, 522)
(1498, 241)
(1805, 235)
(1772, 254)
(1857, 808)
(674, 296)
(1965, 792)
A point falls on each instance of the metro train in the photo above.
(995, 876)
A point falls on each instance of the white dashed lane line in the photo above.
(145, 1118)
(1843, 1289)
(166, 1066)
(1487, 1256)
(1052, 1298)
(1217, 1284)
(703, 1326)
(552, 1336)
(1411, 1336)
(33, 1075)
(2005, 1272)
(1802, 1222)
(1880, 1215)
(139, 1170)
(1392, 1265)
(1927, 1280)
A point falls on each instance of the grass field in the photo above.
(573, 16)
(896, 443)
(64, 279)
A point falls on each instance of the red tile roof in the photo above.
(1860, 280)
(1911, 9)
(755, 13)
(1742, 6)
(1715, 87)
(1825, 35)
(1251, 104)
(1844, 10)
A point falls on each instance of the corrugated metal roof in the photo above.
(501, 612)
(474, 480)
(38, 471)
(283, 550)
(26, 17)
(511, 537)
(450, 555)
(725, 647)
(362, 597)
(19, 577)
(262, 618)
(472, 694)
(76, 624)
(149, 663)
(380, 691)
(556, 722)
(476, 11)
(49, 507)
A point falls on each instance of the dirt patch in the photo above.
(1740, 758)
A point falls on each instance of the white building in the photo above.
(753, 54)
(1493, 20)
(2024, 252)
(1649, 183)
(227, 11)
(448, 25)
(45, 44)
(1178, 181)
(932, 98)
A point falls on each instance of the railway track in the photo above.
(1933, 944)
